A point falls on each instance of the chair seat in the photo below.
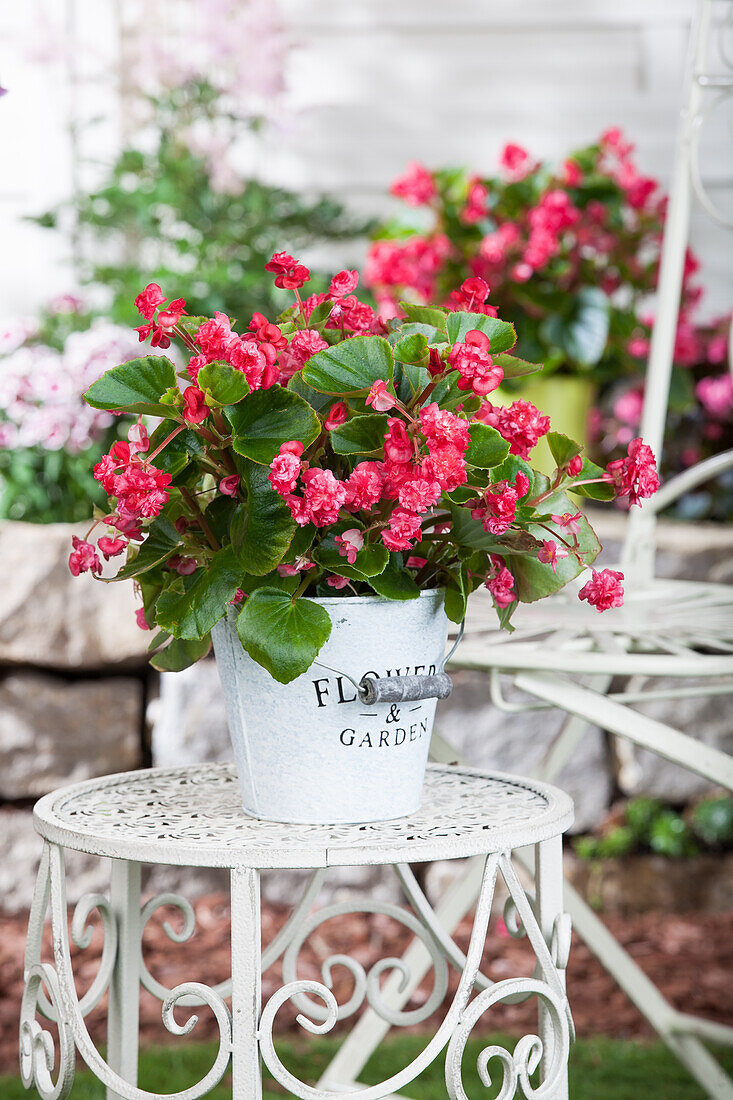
(665, 628)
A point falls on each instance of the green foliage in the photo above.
(268, 419)
(158, 216)
(40, 486)
(650, 826)
(601, 1068)
(282, 634)
(712, 821)
(350, 367)
(135, 386)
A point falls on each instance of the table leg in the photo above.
(124, 989)
(246, 964)
(549, 897)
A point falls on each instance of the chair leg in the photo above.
(623, 721)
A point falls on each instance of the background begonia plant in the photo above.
(571, 253)
(330, 453)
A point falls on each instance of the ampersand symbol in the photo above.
(394, 714)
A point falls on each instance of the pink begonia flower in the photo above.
(604, 589)
(574, 466)
(237, 597)
(501, 584)
(474, 364)
(183, 565)
(324, 496)
(416, 187)
(447, 465)
(380, 398)
(305, 344)
(285, 467)
(290, 275)
(148, 300)
(715, 394)
(515, 161)
(196, 410)
(635, 476)
(717, 351)
(551, 553)
(245, 355)
(471, 297)
(300, 565)
(343, 284)
(111, 547)
(349, 544)
(337, 415)
(404, 528)
(364, 487)
(571, 173)
(476, 207)
(142, 622)
(83, 558)
(520, 424)
(440, 426)
(229, 485)
(138, 437)
(335, 581)
(638, 346)
(569, 521)
(497, 508)
(398, 447)
(418, 494)
(628, 407)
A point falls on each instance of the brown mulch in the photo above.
(690, 957)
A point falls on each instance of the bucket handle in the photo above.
(400, 689)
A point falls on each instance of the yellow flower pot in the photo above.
(566, 400)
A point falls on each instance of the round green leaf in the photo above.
(351, 366)
(487, 447)
(281, 634)
(222, 384)
(500, 333)
(134, 387)
(360, 435)
(190, 611)
(269, 418)
(269, 525)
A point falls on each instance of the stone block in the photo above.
(49, 618)
(488, 738)
(54, 732)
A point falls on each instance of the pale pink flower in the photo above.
(349, 544)
(380, 398)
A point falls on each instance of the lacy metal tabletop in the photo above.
(192, 816)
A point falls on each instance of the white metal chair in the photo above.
(564, 654)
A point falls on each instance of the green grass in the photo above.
(601, 1069)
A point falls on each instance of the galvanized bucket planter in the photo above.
(324, 749)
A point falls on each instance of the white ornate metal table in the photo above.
(191, 816)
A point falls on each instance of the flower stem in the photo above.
(193, 504)
(166, 441)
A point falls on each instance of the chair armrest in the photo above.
(689, 479)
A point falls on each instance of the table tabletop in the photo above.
(192, 816)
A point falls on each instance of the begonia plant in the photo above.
(328, 453)
(571, 252)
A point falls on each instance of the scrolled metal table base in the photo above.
(246, 1031)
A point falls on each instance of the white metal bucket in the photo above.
(310, 751)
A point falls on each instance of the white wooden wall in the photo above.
(375, 83)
